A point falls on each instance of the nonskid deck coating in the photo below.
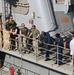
(67, 69)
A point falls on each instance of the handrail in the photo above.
(63, 33)
(54, 47)
(17, 67)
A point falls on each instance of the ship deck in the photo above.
(64, 68)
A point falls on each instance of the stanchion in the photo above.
(57, 56)
(18, 72)
(20, 44)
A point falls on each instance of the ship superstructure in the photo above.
(51, 16)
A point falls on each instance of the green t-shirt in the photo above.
(12, 23)
(24, 31)
(0, 22)
(35, 33)
(7, 26)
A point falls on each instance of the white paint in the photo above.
(42, 15)
(0, 6)
(43, 20)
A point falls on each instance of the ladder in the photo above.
(5, 10)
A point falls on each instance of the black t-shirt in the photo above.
(13, 30)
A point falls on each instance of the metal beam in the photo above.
(3, 11)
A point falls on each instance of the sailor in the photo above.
(47, 47)
(41, 40)
(67, 42)
(59, 42)
(45, 39)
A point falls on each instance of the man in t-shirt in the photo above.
(12, 23)
(72, 49)
(7, 26)
(24, 34)
(35, 33)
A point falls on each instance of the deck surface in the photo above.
(64, 68)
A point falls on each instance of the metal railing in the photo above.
(22, 70)
(53, 51)
(20, 44)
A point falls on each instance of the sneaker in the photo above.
(47, 59)
(55, 63)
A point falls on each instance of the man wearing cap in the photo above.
(59, 43)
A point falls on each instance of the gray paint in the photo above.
(43, 20)
(45, 15)
(0, 6)
(30, 66)
(65, 25)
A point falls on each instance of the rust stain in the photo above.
(64, 19)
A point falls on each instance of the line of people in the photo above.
(34, 33)
(43, 39)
